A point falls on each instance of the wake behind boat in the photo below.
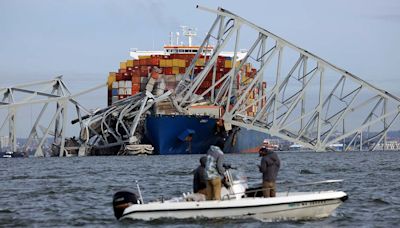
(238, 201)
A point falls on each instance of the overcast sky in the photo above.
(85, 39)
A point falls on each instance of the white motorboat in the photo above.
(237, 202)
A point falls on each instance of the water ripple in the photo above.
(60, 192)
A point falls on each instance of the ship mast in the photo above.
(189, 33)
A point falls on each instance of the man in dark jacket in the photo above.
(199, 178)
(269, 167)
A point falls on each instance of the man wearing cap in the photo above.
(269, 167)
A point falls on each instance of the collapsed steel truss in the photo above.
(40, 93)
(117, 125)
(309, 101)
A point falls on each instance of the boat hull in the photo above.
(296, 207)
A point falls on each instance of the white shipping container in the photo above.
(128, 84)
(115, 85)
(121, 84)
(128, 91)
(121, 91)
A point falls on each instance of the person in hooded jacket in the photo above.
(199, 178)
(269, 167)
(215, 170)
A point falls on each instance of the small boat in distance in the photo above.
(238, 201)
(11, 154)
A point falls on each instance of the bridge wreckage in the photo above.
(308, 101)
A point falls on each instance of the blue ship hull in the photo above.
(180, 134)
(183, 134)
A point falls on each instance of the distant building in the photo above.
(390, 145)
(4, 141)
(295, 147)
(337, 146)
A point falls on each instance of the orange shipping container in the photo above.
(129, 63)
(122, 65)
(175, 70)
(144, 56)
(135, 88)
(228, 63)
(111, 79)
(153, 61)
(135, 80)
(163, 63)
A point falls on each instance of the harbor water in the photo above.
(66, 192)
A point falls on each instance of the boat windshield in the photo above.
(238, 175)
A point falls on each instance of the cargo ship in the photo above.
(168, 130)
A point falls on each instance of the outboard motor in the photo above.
(122, 200)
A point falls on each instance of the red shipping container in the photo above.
(142, 62)
(118, 77)
(153, 61)
(168, 70)
(135, 88)
(135, 73)
(121, 71)
(155, 75)
(182, 70)
(135, 80)
(144, 70)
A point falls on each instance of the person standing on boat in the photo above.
(215, 170)
(199, 178)
(269, 167)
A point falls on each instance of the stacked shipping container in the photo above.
(165, 71)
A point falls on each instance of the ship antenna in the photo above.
(189, 33)
(171, 37)
(177, 38)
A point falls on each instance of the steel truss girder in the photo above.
(319, 107)
(120, 121)
(41, 93)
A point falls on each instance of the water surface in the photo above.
(65, 192)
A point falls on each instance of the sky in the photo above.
(83, 40)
